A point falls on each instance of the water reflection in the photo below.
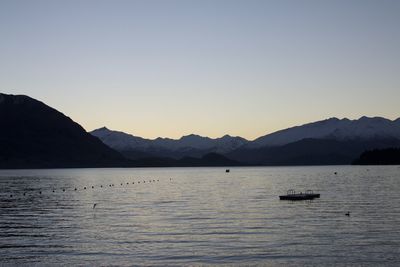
(199, 216)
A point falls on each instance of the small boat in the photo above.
(292, 195)
(227, 170)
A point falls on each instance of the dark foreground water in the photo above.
(200, 216)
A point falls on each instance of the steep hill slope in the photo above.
(34, 135)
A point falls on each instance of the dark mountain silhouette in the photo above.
(310, 152)
(34, 135)
(389, 156)
(208, 160)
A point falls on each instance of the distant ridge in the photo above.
(364, 128)
(326, 142)
(135, 147)
(330, 141)
(208, 160)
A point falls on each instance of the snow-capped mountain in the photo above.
(124, 142)
(120, 140)
(337, 129)
(331, 141)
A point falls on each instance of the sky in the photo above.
(171, 68)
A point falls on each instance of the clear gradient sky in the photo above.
(171, 68)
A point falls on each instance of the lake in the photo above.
(200, 216)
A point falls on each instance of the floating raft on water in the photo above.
(291, 195)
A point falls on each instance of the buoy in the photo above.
(84, 187)
(348, 213)
(75, 189)
(127, 183)
(53, 190)
(335, 173)
(94, 205)
(24, 193)
(40, 192)
(92, 186)
(11, 195)
(63, 190)
(101, 185)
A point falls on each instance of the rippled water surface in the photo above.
(200, 216)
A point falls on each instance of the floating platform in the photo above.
(292, 195)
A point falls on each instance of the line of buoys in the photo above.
(54, 190)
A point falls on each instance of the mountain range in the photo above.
(135, 147)
(34, 135)
(331, 141)
(334, 129)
